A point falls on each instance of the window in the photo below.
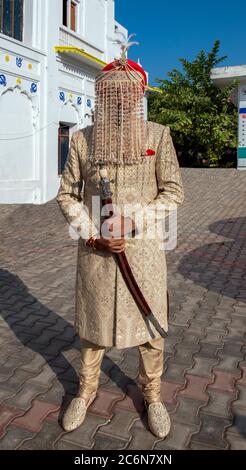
(11, 18)
(69, 14)
(63, 146)
(73, 16)
(65, 12)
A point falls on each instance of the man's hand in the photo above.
(118, 226)
(111, 245)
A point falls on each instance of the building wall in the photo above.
(40, 88)
(241, 152)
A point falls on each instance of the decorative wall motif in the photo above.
(62, 96)
(33, 88)
(71, 102)
(18, 62)
(72, 97)
(3, 80)
(11, 83)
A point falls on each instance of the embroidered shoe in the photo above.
(76, 412)
(158, 419)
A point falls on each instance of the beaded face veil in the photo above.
(119, 126)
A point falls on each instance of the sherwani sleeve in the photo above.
(170, 187)
(69, 195)
(169, 183)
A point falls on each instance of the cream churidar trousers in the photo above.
(150, 368)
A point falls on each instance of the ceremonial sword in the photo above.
(121, 258)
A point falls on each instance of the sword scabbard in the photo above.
(127, 274)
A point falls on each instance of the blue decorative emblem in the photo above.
(62, 96)
(3, 80)
(79, 100)
(19, 62)
(33, 88)
(88, 102)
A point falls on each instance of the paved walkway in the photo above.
(204, 383)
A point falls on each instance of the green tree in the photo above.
(201, 116)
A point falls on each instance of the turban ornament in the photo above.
(119, 126)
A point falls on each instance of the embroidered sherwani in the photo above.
(105, 311)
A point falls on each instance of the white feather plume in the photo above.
(125, 42)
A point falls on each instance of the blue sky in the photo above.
(167, 30)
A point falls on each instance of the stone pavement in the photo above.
(204, 381)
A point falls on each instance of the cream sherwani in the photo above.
(106, 314)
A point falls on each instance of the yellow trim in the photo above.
(77, 50)
(154, 88)
(92, 58)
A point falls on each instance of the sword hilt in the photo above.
(106, 193)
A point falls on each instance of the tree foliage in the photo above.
(202, 119)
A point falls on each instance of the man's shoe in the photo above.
(76, 412)
(158, 419)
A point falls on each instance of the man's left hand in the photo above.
(119, 226)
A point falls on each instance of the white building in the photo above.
(50, 52)
(223, 76)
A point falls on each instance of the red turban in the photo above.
(122, 66)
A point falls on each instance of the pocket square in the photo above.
(149, 152)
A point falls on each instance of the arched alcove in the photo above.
(17, 157)
(69, 113)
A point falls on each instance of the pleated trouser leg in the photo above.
(90, 366)
(151, 358)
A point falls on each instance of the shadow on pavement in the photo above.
(46, 333)
(220, 266)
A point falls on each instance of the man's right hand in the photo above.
(111, 245)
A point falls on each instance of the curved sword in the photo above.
(127, 274)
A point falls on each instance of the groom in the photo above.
(141, 164)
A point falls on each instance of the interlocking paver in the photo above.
(196, 387)
(169, 392)
(23, 398)
(240, 402)
(187, 410)
(178, 438)
(14, 437)
(228, 363)
(84, 435)
(175, 372)
(133, 400)
(242, 380)
(212, 431)
(224, 380)
(209, 350)
(203, 366)
(105, 402)
(32, 419)
(102, 442)
(219, 403)
(45, 439)
(141, 437)
(7, 414)
(236, 443)
(203, 384)
(120, 424)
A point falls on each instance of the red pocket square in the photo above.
(149, 152)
